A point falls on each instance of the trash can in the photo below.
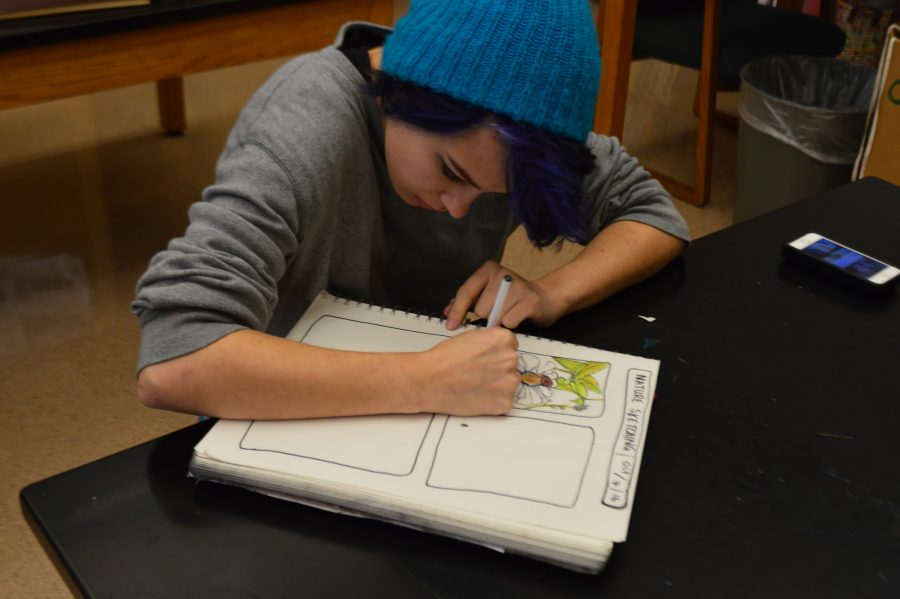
(801, 125)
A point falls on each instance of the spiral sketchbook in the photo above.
(553, 479)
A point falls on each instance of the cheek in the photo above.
(400, 171)
(408, 167)
(394, 160)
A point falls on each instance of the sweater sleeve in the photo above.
(222, 274)
(288, 159)
(620, 189)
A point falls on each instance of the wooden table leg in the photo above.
(170, 95)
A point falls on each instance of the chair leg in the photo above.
(170, 96)
(704, 107)
(615, 28)
(707, 102)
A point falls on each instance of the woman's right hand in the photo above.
(474, 373)
(249, 375)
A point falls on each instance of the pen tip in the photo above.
(507, 278)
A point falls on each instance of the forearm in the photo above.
(621, 255)
(252, 375)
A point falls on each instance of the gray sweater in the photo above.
(302, 202)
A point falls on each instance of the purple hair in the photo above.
(545, 172)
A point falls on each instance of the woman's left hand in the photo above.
(525, 300)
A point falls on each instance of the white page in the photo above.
(566, 458)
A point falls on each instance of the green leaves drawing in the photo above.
(580, 380)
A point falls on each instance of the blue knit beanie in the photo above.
(536, 61)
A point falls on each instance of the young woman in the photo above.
(396, 177)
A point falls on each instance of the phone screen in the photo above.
(844, 258)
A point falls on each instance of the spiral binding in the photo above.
(393, 310)
(398, 311)
(527, 336)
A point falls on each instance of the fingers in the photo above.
(499, 376)
(519, 307)
(469, 293)
(525, 299)
(473, 373)
(503, 338)
(504, 381)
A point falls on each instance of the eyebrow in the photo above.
(462, 173)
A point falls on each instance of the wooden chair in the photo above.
(715, 37)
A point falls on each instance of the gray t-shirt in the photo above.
(302, 202)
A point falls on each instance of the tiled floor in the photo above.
(90, 189)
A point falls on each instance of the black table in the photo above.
(769, 469)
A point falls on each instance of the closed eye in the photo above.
(448, 172)
(462, 175)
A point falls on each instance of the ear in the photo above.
(375, 57)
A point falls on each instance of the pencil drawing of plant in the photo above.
(551, 383)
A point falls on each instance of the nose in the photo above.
(458, 201)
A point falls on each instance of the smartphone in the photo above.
(844, 263)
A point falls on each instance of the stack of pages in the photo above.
(553, 479)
